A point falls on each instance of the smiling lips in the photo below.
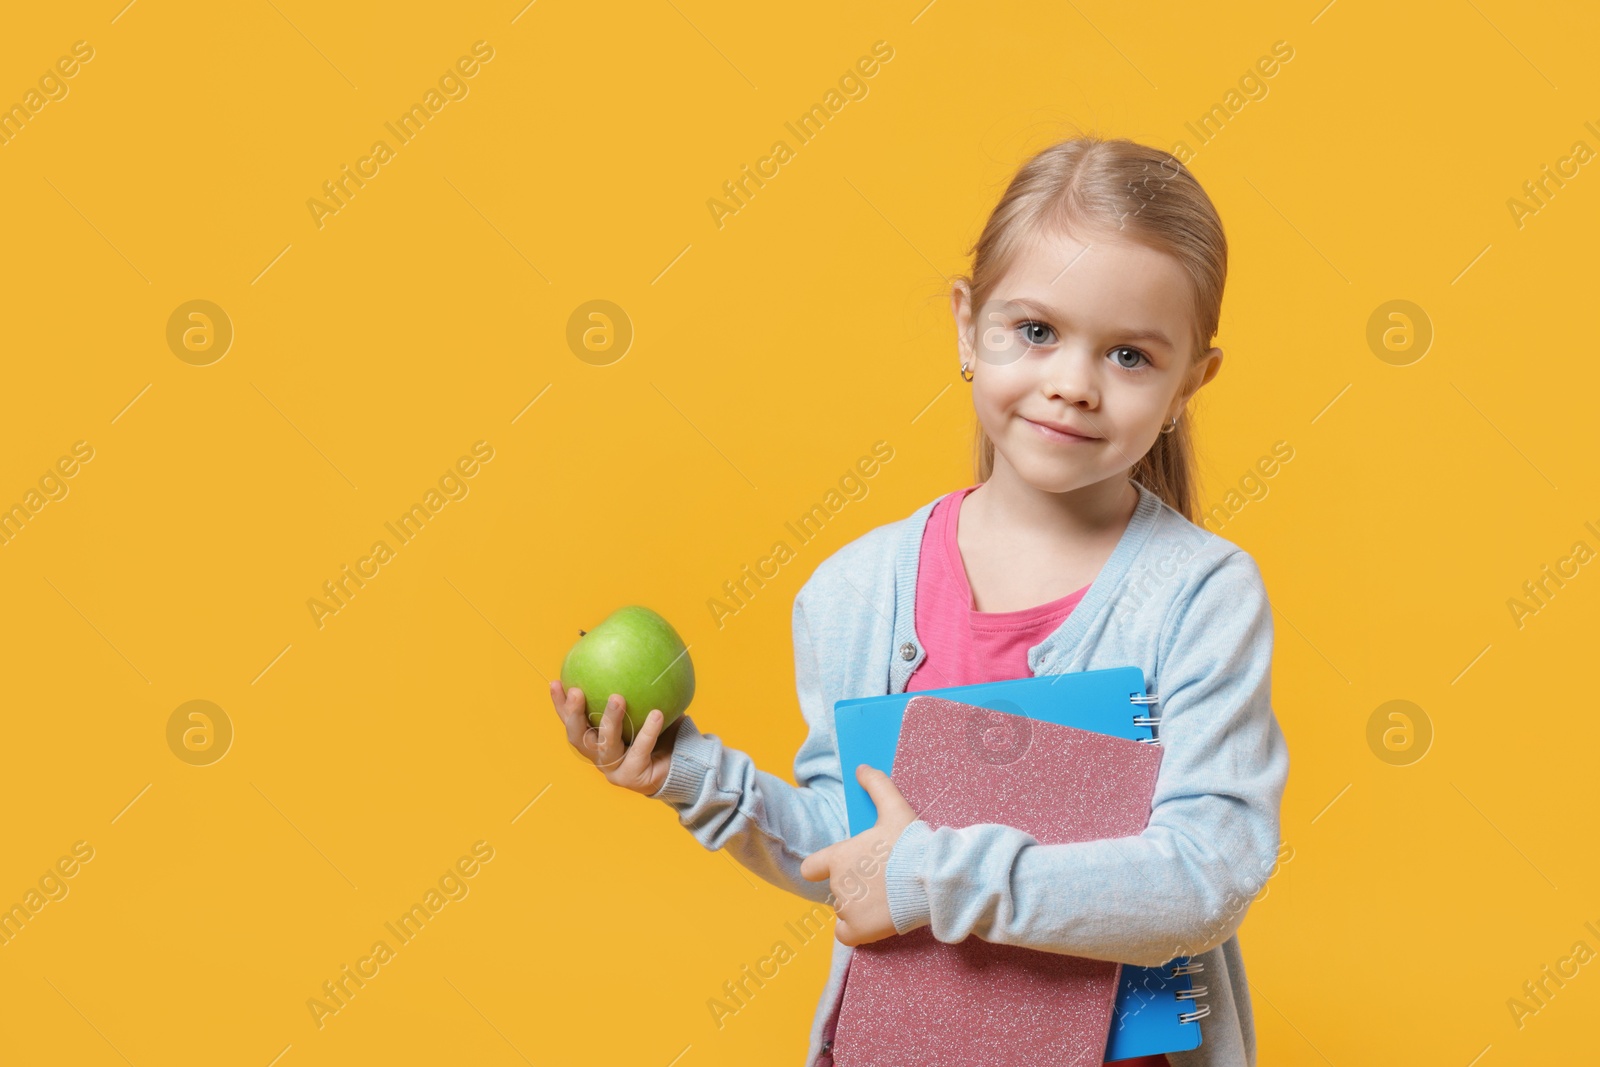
(1054, 432)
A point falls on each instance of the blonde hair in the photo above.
(1089, 184)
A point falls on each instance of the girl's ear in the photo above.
(1212, 364)
(1201, 373)
(961, 311)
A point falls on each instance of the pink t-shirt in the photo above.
(966, 647)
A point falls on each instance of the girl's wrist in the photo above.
(902, 878)
(692, 757)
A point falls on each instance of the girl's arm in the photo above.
(1182, 886)
(768, 825)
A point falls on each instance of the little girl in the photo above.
(1084, 331)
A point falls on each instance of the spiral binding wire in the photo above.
(1192, 994)
(1147, 700)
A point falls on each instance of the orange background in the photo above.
(430, 312)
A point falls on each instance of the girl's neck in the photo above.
(1028, 515)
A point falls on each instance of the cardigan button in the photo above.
(908, 651)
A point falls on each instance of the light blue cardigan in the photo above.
(1174, 599)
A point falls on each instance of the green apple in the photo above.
(636, 653)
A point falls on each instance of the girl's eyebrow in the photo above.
(1023, 303)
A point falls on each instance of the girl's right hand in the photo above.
(638, 767)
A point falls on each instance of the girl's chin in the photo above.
(1052, 474)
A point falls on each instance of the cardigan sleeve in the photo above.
(765, 823)
(1179, 888)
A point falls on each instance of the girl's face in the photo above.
(1091, 337)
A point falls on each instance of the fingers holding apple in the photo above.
(609, 749)
(653, 745)
(643, 765)
(642, 758)
(570, 708)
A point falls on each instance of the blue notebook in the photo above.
(1156, 1006)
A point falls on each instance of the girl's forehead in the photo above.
(1097, 279)
(1055, 252)
(1104, 268)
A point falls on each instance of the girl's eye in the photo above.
(1128, 348)
(1036, 333)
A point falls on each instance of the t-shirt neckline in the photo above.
(955, 566)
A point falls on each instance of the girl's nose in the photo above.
(1070, 378)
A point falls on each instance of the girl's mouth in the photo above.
(1051, 434)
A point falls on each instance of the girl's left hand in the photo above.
(855, 867)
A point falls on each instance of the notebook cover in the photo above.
(914, 1000)
(1147, 1018)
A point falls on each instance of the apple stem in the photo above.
(581, 633)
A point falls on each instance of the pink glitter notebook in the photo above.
(913, 1000)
